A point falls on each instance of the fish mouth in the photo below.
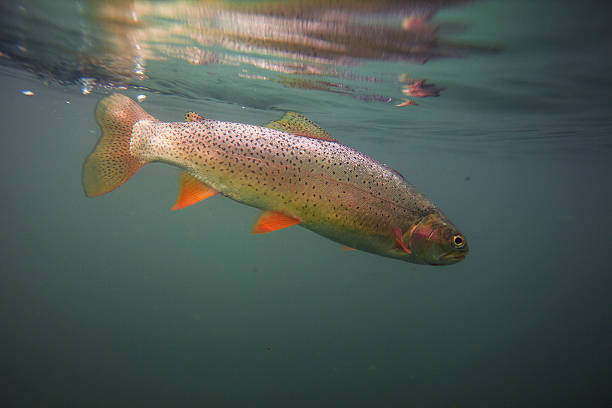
(453, 257)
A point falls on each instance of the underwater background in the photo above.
(498, 111)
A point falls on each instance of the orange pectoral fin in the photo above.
(191, 191)
(399, 242)
(271, 221)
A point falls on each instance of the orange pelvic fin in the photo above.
(300, 125)
(193, 117)
(347, 248)
(271, 221)
(399, 242)
(191, 191)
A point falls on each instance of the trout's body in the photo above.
(326, 186)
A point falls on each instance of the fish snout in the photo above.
(436, 241)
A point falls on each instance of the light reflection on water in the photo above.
(303, 45)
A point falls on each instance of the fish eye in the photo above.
(458, 241)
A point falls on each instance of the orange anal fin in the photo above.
(271, 221)
(193, 117)
(191, 191)
(399, 242)
(347, 248)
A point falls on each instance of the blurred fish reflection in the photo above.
(119, 40)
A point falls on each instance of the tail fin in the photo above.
(111, 164)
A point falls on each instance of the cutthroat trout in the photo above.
(291, 169)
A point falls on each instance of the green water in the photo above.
(118, 302)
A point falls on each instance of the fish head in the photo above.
(434, 240)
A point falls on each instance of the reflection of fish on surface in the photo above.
(314, 32)
(420, 89)
(136, 43)
(318, 85)
(407, 102)
(292, 169)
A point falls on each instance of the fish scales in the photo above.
(324, 185)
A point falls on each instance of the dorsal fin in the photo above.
(271, 221)
(398, 173)
(300, 125)
(193, 117)
(191, 191)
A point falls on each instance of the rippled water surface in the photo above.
(498, 111)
